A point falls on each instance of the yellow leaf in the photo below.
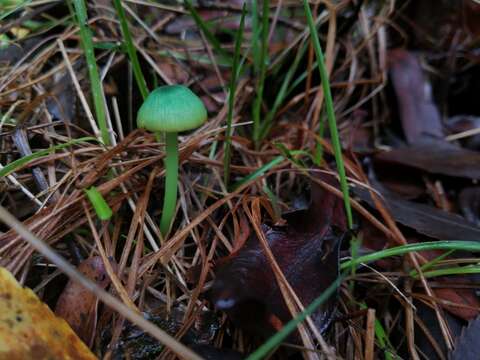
(19, 32)
(30, 330)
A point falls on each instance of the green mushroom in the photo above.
(171, 109)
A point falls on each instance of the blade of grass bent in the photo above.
(96, 85)
(131, 50)
(231, 99)
(330, 113)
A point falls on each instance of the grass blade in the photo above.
(14, 165)
(461, 270)
(289, 327)
(460, 245)
(259, 172)
(255, 36)
(282, 93)
(257, 105)
(95, 84)
(131, 50)
(206, 31)
(101, 207)
(330, 113)
(231, 99)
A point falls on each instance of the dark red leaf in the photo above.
(460, 296)
(306, 249)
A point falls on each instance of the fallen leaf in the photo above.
(438, 157)
(469, 204)
(77, 305)
(423, 218)
(418, 113)
(30, 330)
(306, 249)
(14, 52)
(429, 338)
(465, 297)
(466, 345)
(61, 103)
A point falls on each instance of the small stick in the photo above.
(370, 335)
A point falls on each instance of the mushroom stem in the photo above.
(171, 182)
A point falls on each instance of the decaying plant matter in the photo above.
(259, 230)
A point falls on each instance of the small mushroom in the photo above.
(171, 109)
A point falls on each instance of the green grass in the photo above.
(330, 114)
(131, 50)
(101, 207)
(259, 172)
(276, 339)
(282, 93)
(431, 263)
(459, 245)
(217, 47)
(382, 337)
(262, 58)
(8, 7)
(236, 69)
(255, 36)
(458, 270)
(95, 83)
(14, 165)
(289, 327)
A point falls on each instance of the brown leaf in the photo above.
(437, 157)
(77, 305)
(465, 297)
(306, 249)
(29, 329)
(423, 218)
(418, 113)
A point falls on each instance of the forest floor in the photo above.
(327, 208)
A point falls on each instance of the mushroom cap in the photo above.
(171, 108)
